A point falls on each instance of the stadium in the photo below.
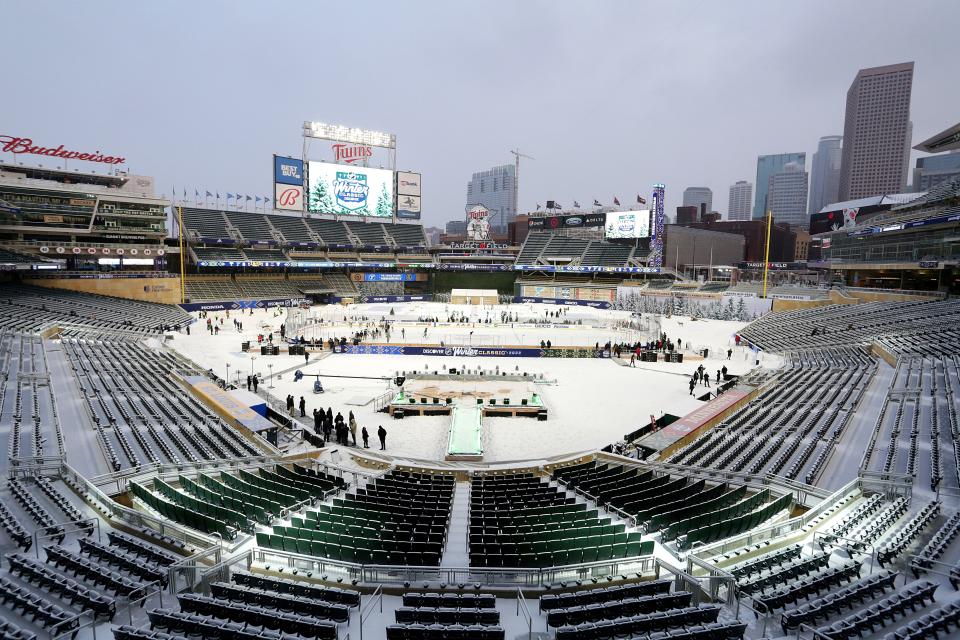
(562, 438)
(303, 412)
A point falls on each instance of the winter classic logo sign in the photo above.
(351, 190)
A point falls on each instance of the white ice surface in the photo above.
(595, 401)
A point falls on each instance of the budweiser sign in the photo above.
(349, 153)
(13, 144)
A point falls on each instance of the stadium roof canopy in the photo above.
(946, 140)
(873, 201)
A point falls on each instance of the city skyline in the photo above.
(228, 106)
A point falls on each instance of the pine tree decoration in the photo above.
(384, 203)
(320, 199)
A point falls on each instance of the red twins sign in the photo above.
(350, 153)
(288, 197)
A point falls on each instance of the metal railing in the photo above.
(376, 598)
(490, 576)
(525, 610)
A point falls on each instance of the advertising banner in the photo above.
(408, 183)
(288, 170)
(288, 197)
(386, 277)
(349, 190)
(567, 221)
(471, 352)
(377, 299)
(408, 207)
(595, 304)
(224, 305)
(627, 224)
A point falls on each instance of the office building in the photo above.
(741, 199)
(825, 173)
(766, 167)
(456, 228)
(687, 214)
(699, 197)
(877, 132)
(933, 170)
(493, 189)
(787, 195)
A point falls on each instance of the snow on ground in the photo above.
(594, 401)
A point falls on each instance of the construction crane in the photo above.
(516, 178)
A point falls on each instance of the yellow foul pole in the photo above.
(766, 253)
(183, 271)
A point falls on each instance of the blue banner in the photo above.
(231, 305)
(287, 170)
(390, 277)
(596, 304)
(471, 352)
(409, 298)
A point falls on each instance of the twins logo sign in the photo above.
(351, 190)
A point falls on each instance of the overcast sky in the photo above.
(608, 97)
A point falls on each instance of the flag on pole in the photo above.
(256, 200)
(249, 198)
(229, 195)
(641, 200)
(576, 205)
(266, 201)
(596, 203)
(538, 206)
(615, 201)
(210, 195)
(196, 194)
(184, 194)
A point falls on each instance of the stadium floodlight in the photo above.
(340, 133)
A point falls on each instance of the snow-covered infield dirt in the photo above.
(592, 403)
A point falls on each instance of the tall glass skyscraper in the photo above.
(787, 195)
(825, 173)
(766, 167)
(493, 189)
(877, 132)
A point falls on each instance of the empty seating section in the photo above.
(40, 574)
(259, 288)
(34, 423)
(631, 609)
(761, 438)
(367, 233)
(252, 625)
(605, 254)
(929, 328)
(208, 288)
(680, 508)
(942, 620)
(29, 308)
(936, 546)
(292, 228)
(406, 235)
(141, 414)
(564, 249)
(533, 247)
(205, 223)
(399, 518)
(299, 588)
(252, 226)
(225, 503)
(49, 616)
(918, 431)
(519, 520)
(221, 254)
(265, 255)
(329, 231)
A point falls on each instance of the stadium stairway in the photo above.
(456, 552)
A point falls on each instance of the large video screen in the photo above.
(627, 224)
(349, 191)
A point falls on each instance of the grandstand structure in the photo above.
(913, 245)
(825, 505)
